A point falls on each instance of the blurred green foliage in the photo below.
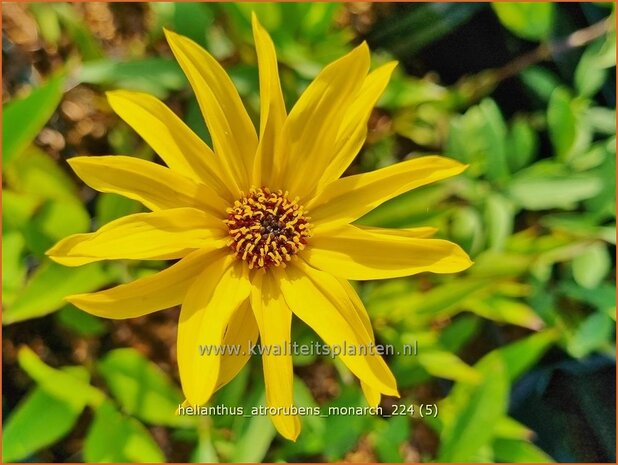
(536, 211)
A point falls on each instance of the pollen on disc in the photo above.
(267, 228)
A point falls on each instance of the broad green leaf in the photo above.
(67, 386)
(532, 21)
(521, 355)
(18, 208)
(593, 334)
(13, 265)
(568, 130)
(153, 75)
(505, 310)
(27, 428)
(475, 410)
(447, 365)
(522, 144)
(499, 219)
(541, 81)
(508, 428)
(23, 119)
(113, 206)
(114, 437)
(536, 190)
(519, 451)
(142, 388)
(255, 440)
(36, 174)
(592, 69)
(591, 267)
(51, 283)
(390, 437)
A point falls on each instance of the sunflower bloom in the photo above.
(261, 225)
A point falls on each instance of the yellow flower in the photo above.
(261, 225)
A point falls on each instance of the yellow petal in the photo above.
(231, 129)
(423, 231)
(206, 312)
(163, 234)
(153, 185)
(177, 145)
(372, 395)
(272, 109)
(351, 253)
(241, 332)
(353, 131)
(349, 198)
(164, 289)
(310, 131)
(320, 301)
(274, 319)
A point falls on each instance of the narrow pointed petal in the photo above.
(241, 332)
(352, 253)
(421, 232)
(310, 131)
(177, 145)
(162, 290)
(347, 199)
(353, 131)
(274, 319)
(206, 312)
(372, 395)
(272, 109)
(164, 234)
(234, 137)
(156, 187)
(319, 300)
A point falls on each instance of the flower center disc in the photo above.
(267, 228)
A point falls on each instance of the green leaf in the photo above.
(35, 173)
(522, 144)
(475, 410)
(13, 265)
(113, 206)
(69, 386)
(593, 334)
(532, 21)
(519, 451)
(142, 388)
(153, 75)
(50, 284)
(255, 440)
(114, 437)
(591, 267)
(546, 185)
(447, 365)
(80, 322)
(521, 355)
(568, 130)
(592, 69)
(27, 429)
(23, 119)
(390, 437)
(499, 219)
(505, 310)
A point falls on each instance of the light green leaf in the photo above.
(142, 388)
(114, 437)
(70, 386)
(519, 451)
(499, 218)
(255, 440)
(522, 144)
(591, 267)
(532, 21)
(23, 119)
(505, 310)
(568, 130)
(508, 428)
(27, 429)
(593, 334)
(448, 366)
(50, 284)
(474, 410)
(13, 265)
